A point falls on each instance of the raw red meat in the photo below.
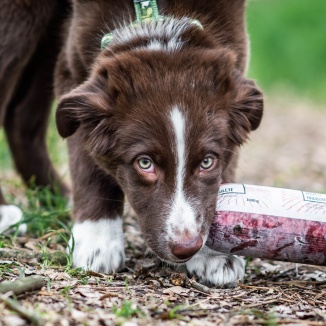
(272, 223)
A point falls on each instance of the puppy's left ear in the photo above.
(246, 110)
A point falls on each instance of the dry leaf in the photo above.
(177, 290)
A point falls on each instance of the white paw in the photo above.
(214, 268)
(98, 245)
(9, 215)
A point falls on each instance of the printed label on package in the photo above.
(272, 201)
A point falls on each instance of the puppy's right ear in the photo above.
(86, 105)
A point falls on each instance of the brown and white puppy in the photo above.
(157, 117)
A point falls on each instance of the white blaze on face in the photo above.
(182, 216)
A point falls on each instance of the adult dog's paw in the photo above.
(98, 245)
(9, 215)
(216, 269)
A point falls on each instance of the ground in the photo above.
(288, 150)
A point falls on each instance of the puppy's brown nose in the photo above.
(187, 247)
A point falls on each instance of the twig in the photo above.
(260, 303)
(293, 322)
(28, 284)
(109, 295)
(58, 256)
(237, 296)
(244, 286)
(95, 274)
(19, 254)
(14, 306)
(288, 300)
(300, 282)
(200, 287)
(50, 234)
(320, 295)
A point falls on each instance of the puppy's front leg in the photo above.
(216, 269)
(97, 240)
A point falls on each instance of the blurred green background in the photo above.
(288, 46)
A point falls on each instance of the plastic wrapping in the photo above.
(272, 223)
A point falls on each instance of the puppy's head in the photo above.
(165, 127)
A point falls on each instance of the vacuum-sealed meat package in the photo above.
(271, 223)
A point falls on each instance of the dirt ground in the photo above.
(287, 151)
(289, 148)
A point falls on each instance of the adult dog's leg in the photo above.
(19, 34)
(97, 240)
(27, 119)
(22, 25)
(27, 113)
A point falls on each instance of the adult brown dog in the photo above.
(157, 116)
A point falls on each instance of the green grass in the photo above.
(127, 310)
(48, 221)
(44, 211)
(5, 159)
(288, 45)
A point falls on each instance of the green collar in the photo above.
(146, 10)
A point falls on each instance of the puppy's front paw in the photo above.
(216, 269)
(98, 245)
(9, 215)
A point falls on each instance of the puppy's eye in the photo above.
(146, 165)
(207, 163)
